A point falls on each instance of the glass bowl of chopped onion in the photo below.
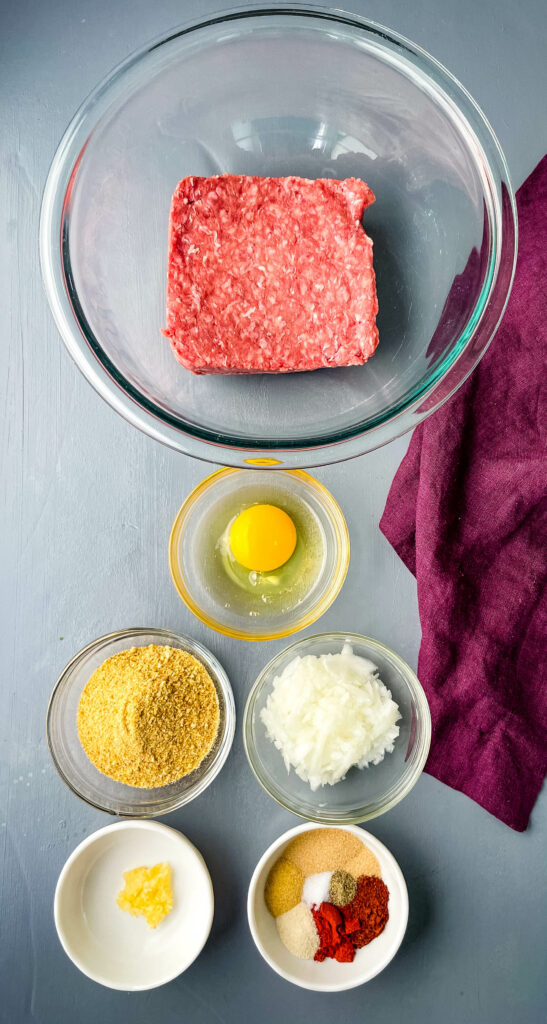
(337, 728)
(74, 766)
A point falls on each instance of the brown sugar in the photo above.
(148, 716)
(323, 849)
(364, 863)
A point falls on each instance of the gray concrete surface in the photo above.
(87, 504)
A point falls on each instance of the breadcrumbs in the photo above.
(148, 716)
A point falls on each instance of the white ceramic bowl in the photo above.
(328, 976)
(109, 945)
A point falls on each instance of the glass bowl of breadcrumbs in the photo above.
(140, 722)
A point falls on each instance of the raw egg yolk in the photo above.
(262, 538)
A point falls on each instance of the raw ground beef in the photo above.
(270, 275)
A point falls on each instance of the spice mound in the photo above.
(147, 893)
(148, 716)
(327, 896)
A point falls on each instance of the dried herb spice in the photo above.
(342, 889)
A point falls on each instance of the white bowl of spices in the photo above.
(327, 907)
(141, 721)
(133, 905)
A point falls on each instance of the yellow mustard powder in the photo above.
(283, 888)
(148, 716)
(147, 893)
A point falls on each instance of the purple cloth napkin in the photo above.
(467, 513)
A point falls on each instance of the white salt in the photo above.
(316, 888)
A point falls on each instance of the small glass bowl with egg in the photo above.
(259, 554)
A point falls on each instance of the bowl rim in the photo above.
(376, 845)
(93, 837)
(208, 659)
(339, 575)
(210, 445)
(423, 712)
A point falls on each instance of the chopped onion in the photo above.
(330, 713)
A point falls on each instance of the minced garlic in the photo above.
(147, 893)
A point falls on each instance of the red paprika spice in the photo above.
(367, 914)
(334, 942)
(342, 930)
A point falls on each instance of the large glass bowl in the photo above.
(364, 793)
(80, 774)
(274, 92)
